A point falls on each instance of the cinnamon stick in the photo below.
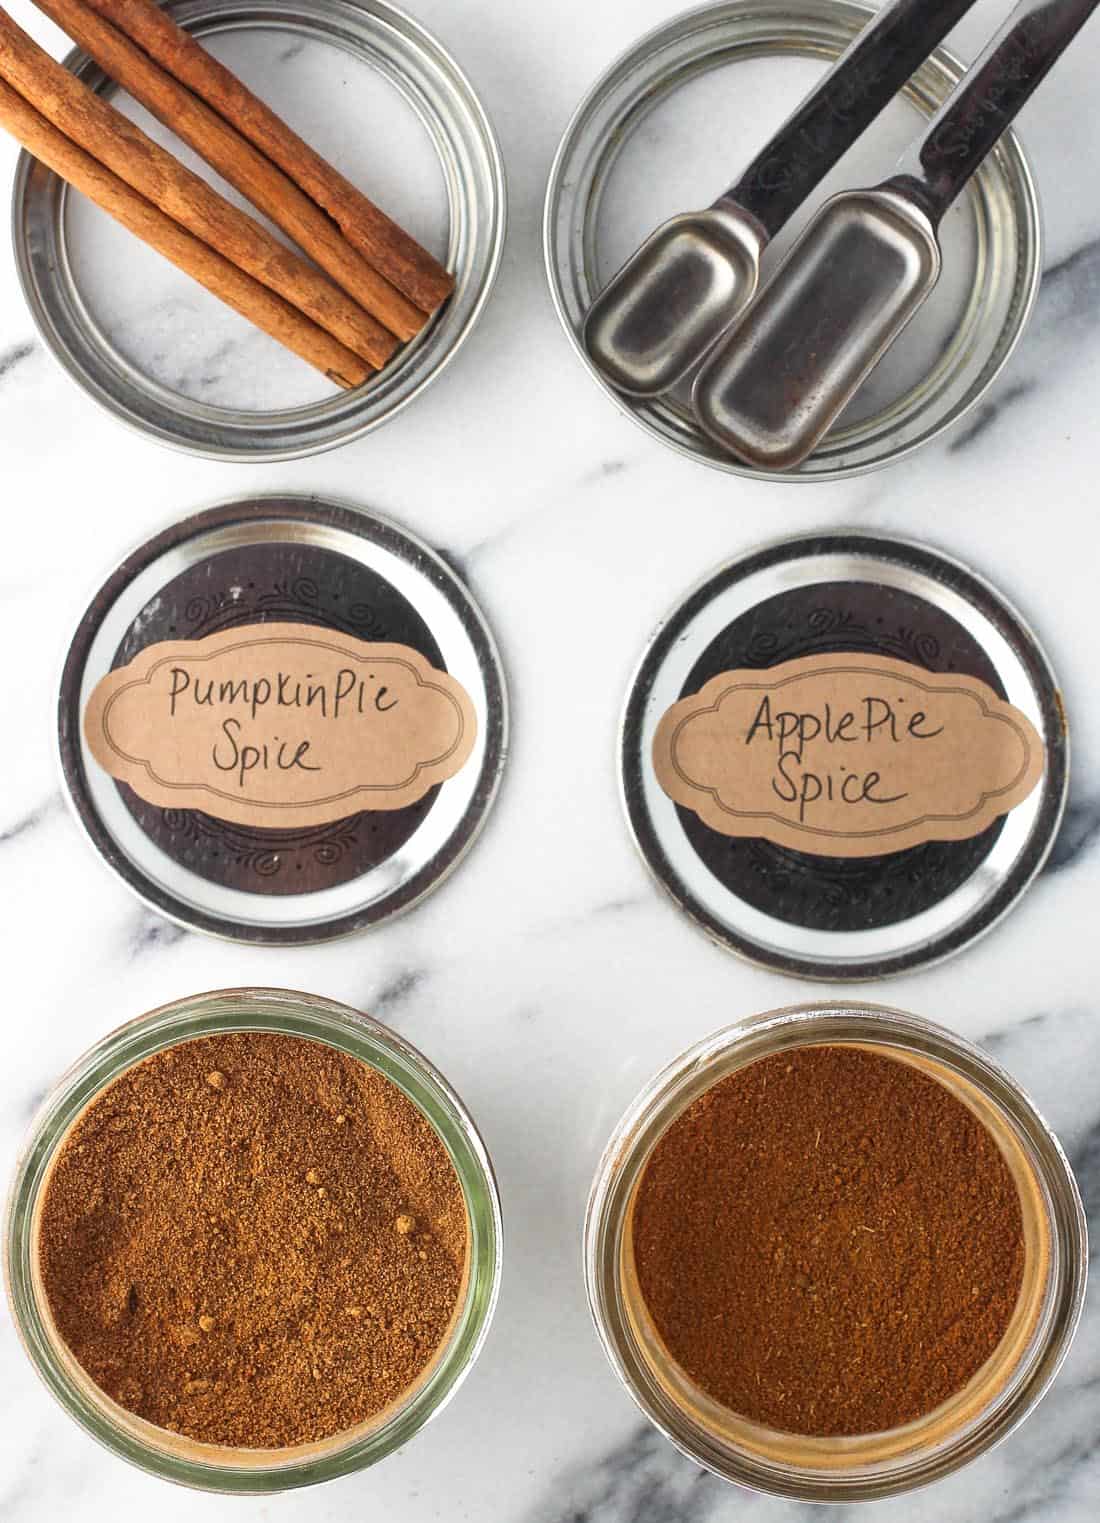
(120, 146)
(386, 245)
(140, 217)
(236, 160)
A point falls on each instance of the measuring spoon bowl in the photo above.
(673, 299)
(771, 391)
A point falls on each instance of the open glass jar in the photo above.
(999, 1395)
(168, 1454)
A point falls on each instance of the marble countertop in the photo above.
(551, 978)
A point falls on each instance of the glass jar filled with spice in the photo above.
(834, 1253)
(253, 1242)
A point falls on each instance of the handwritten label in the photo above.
(847, 755)
(280, 725)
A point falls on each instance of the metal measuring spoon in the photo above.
(689, 280)
(773, 387)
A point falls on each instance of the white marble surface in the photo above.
(550, 978)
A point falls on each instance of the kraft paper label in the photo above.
(280, 725)
(847, 755)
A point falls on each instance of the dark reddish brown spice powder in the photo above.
(253, 1239)
(829, 1242)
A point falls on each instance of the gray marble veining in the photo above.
(550, 979)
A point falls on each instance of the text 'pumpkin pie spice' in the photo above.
(253, 1239)
(829, 1242)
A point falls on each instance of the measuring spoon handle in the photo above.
(1000, 81)
(885, 55)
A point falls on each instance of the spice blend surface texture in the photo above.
(829, 1242)
(253, 1239)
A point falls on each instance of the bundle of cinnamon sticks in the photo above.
(369, 288)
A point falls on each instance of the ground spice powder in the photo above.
(253, 1239)
(829, 1242)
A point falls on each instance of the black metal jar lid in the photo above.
(298, 561)
(846, 916)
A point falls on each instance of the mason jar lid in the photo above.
(279, 562)
(829, 911)
(665, 129)
(436, 159)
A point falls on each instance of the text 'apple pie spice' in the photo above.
(829, 1242)
(253, 1239)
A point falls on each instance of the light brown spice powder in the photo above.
(253, 1239)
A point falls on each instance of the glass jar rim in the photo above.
(665, 1097)
(311, 1017)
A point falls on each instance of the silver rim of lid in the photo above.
(443, 836)
(961, 916)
